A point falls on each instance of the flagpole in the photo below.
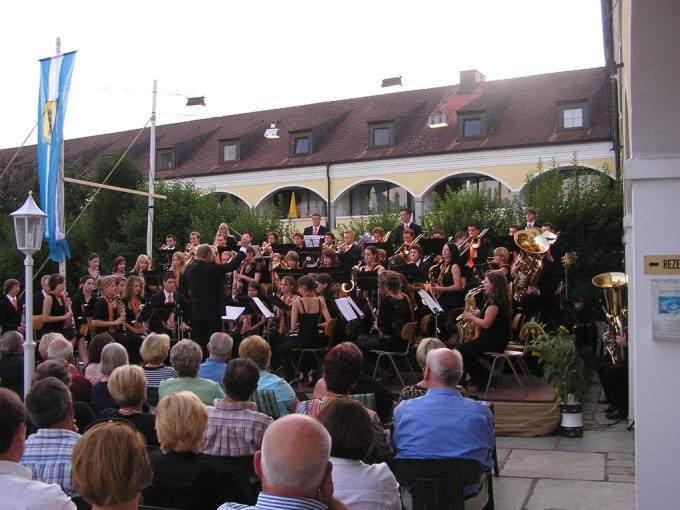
(152, 172)
(60, 180)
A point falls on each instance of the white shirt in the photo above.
(365, 487)
(19, 492)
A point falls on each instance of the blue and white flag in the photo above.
(55, 82)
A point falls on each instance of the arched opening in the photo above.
(225, 198)
(307, 202)
(370, 196)
(468, 181)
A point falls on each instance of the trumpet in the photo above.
(341, 248)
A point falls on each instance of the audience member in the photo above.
(257, 349)
(114, 355)
(60, 348)
(185, 357)
(341, 369)
(235, 428)
(181, 477)
(110, 466)
(154, 352)
(443, 425)
(219, 350)
(83, 413)
(17, 490)
(294, 466)
(12, 362)
(48, 452)
(127, 386)
(358, 485)
(94, 356)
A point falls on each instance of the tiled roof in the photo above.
(527, 117)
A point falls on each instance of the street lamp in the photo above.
(29, 221)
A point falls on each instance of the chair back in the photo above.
(243, 469)
(408, 334)
(437, 484)
(367, 399)
(152, 395)
(424, 326)
(330, 328)
(37, 322)
(266, 403)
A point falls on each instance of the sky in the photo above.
(250, 56)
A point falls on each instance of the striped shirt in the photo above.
(48, 455)
(273, 502)
(235, 429)
(156, 375)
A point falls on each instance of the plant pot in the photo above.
(572, 418)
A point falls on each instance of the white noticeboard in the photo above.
(666, 309)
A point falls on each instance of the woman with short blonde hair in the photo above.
(154, 352)
(110, 466)
(127, 386)
(181, 420)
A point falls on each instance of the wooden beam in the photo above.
(114, 188)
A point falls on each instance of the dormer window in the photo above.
(572, 116)
(165, 159)
(301, 144)
(228, 151)
(380, 136)
(472, 126)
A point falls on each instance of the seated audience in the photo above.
(443, 425)
(341, 369)
(60, 348)
(185, 357)
(48, 452)
(16, 486)
(257, 349)
(83, 413)
(235, 428)
(12, 362)
(419, 389)
(181, 477)
(114, 355)
(94, 352)
(219, 350)
(127, 386)
(358, 485)
(154, 352)
(121, 468)
(294, 466)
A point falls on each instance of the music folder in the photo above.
(349, 309)
(233, 312)
(262, 308)
(430, 302)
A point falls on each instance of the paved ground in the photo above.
(561, 473)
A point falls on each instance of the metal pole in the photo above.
(152, 172)
(29, 344)
(62, 224)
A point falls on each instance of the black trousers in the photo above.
(614, 379)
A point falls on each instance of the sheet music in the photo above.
(233, 312)
(262, 308)
(355, 307)
(346, 309)
(430, 301)
(312, 241)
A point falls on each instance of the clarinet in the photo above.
(67, 307)
(121, 312)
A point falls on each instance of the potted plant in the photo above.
(564, 368)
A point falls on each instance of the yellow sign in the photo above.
(662, 264)
(49, 116)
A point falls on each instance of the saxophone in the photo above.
(468, 330)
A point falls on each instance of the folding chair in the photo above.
(317, 352)
(408, 334)
(438, 484)
(266, 403)
(515, 353)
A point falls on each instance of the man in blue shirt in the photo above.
(219, 347)
(442, 424)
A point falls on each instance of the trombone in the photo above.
(474, 241)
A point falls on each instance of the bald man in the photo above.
(294, 467)
(444, 425)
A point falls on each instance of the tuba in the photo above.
(613, 285)
(468, 330)
(529, 260)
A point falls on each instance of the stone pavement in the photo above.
(562, 473)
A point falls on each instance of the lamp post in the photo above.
(29, 221)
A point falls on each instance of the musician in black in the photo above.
(169, 296)
(405, 217)
(316, 229)
(349, 252)
(614, 379)
(11, 308)
(474, 256)
(204, 276)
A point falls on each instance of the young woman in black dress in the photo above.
(493, 321)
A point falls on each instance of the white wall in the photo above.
(652, 178)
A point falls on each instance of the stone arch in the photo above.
(239, 199)
(308, 199)
(360, 197)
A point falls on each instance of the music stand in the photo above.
(164, 258)
(283, 248)
(388, 247)
(338, 274)
(367, 280)
(411, 272)
(153, 279)
(156, 313)
(507, 242)
(432, 245)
